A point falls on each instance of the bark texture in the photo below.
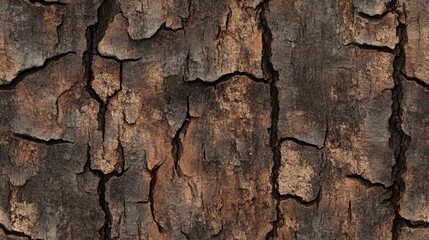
(226, 119)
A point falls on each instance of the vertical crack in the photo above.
(94, 34)
(272, 76)
(105, 230)
(399, 140)
(153, 173)
(177, 149)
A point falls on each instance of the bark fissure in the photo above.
(299, 142)
(45, 3)
(415, 224)
(383, 49)
(153, 173)
(94, 34)
(390, 8)
(14, 233)
(399, 140)
(29, 71)
(42, 141)
(272, 77)
(366, 182)
(301, 200)
(177, 148)
(418, 81)
(105, 230)
(284, 115)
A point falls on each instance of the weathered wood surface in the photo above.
(229, 119)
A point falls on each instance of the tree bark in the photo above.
(227, 119)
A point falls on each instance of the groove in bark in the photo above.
(50, 3)
(272, 77)
(153, 173)
(94, 34)
(41, 141)
(399, 140)
(24, 73)
(177, 149)
(14, 233)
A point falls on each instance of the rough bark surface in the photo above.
(227, 119)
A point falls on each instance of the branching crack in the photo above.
(402, 222)
(26, 72)
(418, 81)
(399, 140)
(116, 58)
(105, 230)
(94, 34)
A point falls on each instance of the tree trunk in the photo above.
(223, 119)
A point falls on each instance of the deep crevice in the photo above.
(94, 34)
(399, 140)
(272, 77)
(105, 230)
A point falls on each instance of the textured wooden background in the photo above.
(214, 119)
